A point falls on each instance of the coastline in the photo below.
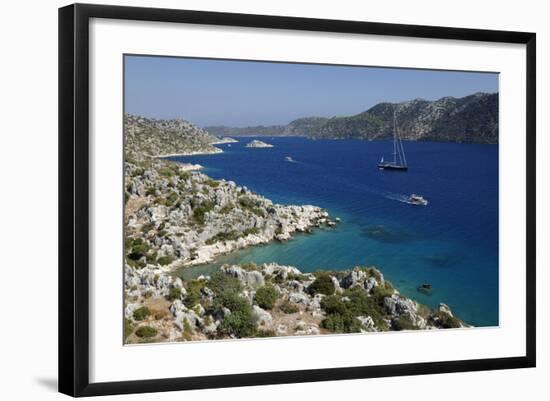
(313, 218)
(192, 153)
(270, 300)
(176, 220)
(223, 141)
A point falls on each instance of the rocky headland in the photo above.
(176, 216)
(147, 138)
(224, 140)
(258, 144)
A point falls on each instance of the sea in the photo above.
(451, 244)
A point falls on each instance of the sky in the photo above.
(245, 93)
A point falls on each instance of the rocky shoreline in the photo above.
(258, 144)
(192, 153)
(269, 301)
(176, 218)
(224, 140)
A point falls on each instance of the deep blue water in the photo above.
(452, 243)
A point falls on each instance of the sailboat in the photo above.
(399, 162)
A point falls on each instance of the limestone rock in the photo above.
(262, 316)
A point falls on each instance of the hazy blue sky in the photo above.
(242, 93)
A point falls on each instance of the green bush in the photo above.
(403, 323)
(212, 183)
(171, 199)
(342, 323)
(232, 301)
(250, 266)
(135, 263)
(252, 230)
(224, 236)
(165, 260)
(266, 296)
(221, 283)
(187, 332)
(363, 305)
(288, 307)
(200, 210)
(372, 272)
(146, 332)
(342, 314)
(142, 313)
(297, 277)
(184, 175)
(382, 291)
(173, 294)
(193, 295)
(333, 304)
(447, 321)
(240, 323)
(147, 227)
(136, 248)
(151, 257)
(322, 285)
(266, 333)
(166, 172)
(128, 328)
(247, 203)
(258, 211)
(227, 208)
(251, 205)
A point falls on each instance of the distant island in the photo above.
(471, 119)
(258, 144)
(224, 140)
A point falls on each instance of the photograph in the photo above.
(280, 199)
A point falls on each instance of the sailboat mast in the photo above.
(401, 149)
(394, 140)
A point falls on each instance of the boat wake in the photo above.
(398, 197)
(292, 161)
(383, 193)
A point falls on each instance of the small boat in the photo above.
(289, 159)
(425, 288)
(415, 199)
(399, 162)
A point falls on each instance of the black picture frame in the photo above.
(74, 198)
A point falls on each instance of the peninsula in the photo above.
(258, 144)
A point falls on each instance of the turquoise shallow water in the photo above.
(452, 243)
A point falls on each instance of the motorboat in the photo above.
(415, 199)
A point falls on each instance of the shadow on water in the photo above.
(387, 235)
(442, 260)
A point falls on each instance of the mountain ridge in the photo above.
(472, 119)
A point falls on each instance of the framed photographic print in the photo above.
(249, 199)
